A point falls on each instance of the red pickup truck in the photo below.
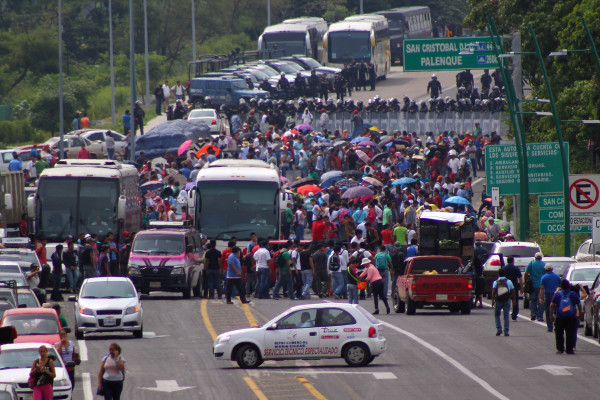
(434, 280)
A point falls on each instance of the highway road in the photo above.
(432, 355)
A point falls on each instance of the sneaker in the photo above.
(376, 312)
(506, 334)
(498, 333)
(550, 330)
(230, 302)
(559, 351)
(533, 318)
(570, 352)
(540, 320)
(246, 302)
(514, 318)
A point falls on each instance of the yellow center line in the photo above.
(311, 388)
(206, 319)
(249, 316)
(255, 389)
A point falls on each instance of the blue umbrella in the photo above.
(359, 139)
(403, 181)
(330, 181)
(359, 129)
(329, 175)
(457, 200)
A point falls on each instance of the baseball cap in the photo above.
(538, 255)
(87, 236)
(548, 267)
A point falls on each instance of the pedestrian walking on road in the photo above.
(234, 276)
(112, 374)
(534, 272)
(567, 305)
(66, 349)
(43, 374)
(503, 292)
(513, 273)
(549, 283)
(371, 275)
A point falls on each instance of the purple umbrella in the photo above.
(358, 191)
(189, 185)
(348, 183)
(367, 143)
(304, 127)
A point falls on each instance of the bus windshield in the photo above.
(68, 206)
(234, 208)
(348, 45)
(290, 43)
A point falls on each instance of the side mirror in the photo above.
(272, 327)
(72, 298)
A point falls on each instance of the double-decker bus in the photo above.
(298, 36)
(359, 38)
(86, 196)
(234, 198)
(406, 23)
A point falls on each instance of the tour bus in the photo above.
(363, 37)
(86, 196)
(298, 36)
(406, 23)
(233, 198)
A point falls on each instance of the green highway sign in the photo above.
(545, 168)
(558, 228)
(551, 201)
(551, 215)
(444, 54)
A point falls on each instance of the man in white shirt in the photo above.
(179, 91)
(167, 95)
(262, 257)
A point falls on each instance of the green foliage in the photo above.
(100, 102)
(15, 132)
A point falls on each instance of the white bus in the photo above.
(86, 196)
(406, 23)
(233, 198)
(360, 38)
(298, 36)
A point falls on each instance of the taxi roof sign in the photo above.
(16, 241)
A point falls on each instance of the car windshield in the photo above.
(8, 295)
(559, 267)
(32, 324)
(259, 75)
(202, 113)
(158, 244)
(111, 290)
(584, 274)
(10, 268)
(23, 358)
(288, 68)
(28, 299)
(310, 63)
(518, 251)
(17, 277)
(30, 257)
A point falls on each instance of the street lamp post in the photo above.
(193, 31)
(61, 111)
(132, 82)
(147, 97)
(112, 65)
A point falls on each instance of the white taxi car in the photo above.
(311, 331)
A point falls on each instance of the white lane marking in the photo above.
(153, 335)
(486, 386)
(476, 181)
(556, 370)
(167, 386)
(384, 375)
(579, 337)
(86, 380)
(83, 352)
(314, 372)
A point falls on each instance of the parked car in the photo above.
(590, 311)
(72, 145)
(33, 324)
(583, 274)
(560, 264)
(222, 91)
(108, 304)
(15, 364)
(210, 117)
(586, 252)
(99, 135)
(349, 330)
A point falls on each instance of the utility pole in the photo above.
(132, 82)
(61, 112)
(147, 97)
(112, 65)
(193, 30)
(268, 13)
(361, 7)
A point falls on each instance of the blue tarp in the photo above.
(168, 136)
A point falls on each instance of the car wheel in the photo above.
(139, 334)
(587, 329)
(197, 290)
(465, 307)
(454, 307)
(356, 354)
(248, 356)
(78, 333)
(411, 307)
(399, 305)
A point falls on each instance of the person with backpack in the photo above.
(503, 291)
(549, 284)
(513, 273)
(383, 263)
(336, 272)
(318, 262)
(534, 272)
(352, 274)
(283, 265)
(567, 305)
(397, 256)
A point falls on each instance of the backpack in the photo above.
(503, 292)
(279, 260)
(566, 308)
(397, 261)
(334, 263)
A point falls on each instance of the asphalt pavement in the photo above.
(434, 354)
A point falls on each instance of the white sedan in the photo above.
(15, 365)
(208, 116)
(307, 332)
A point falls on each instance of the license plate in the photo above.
(110, 322)
(155, 284)
(441, 297)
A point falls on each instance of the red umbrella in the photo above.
(184, 146)
(205, 148)
(306, 189)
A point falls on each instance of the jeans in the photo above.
(89, 271)
(515, 308)
(547, 301)
(568, 327)
(72, 277)
(263, 283)
(56, 287)
(474, 167)
(498, 308)
(299, 232)
(285, 281)
(377, 289)
(303, 172)
(322, 278)
(537, 310)
(385, 275)
(337, 282)
(251, 281)
(159, 102)
(307, 279)
(112, 389)
(237, 283)
(352, 293)
(214, 282)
